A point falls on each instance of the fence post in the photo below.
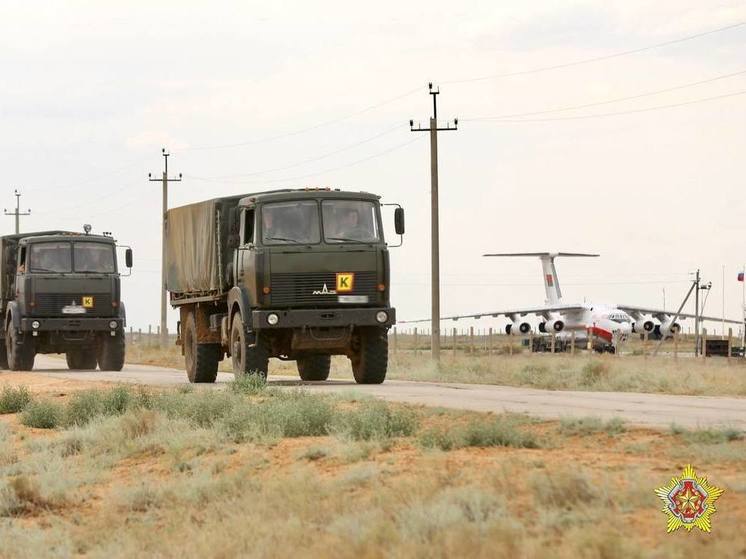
(530, 342)
(132, 336)
(572, 343)
(553, 342)
(150, 333)
(704, 342)
(489, 343)
(589, 343)
(139, 336)
(675, 345)
(415, 341)
(471, 339)
(645, 344)
(453, 345)
(730, 342)
(396, 342)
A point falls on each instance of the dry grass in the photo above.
(132, 473)
(608, 373)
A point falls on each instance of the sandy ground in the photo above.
(651, 410)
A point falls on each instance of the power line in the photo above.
(329, 170)
(307, 128)
(226, 178)
(616, 113)
(609, 101)
(598, 58)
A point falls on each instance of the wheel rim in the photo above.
(10, 343)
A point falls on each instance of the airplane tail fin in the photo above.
(551, 282)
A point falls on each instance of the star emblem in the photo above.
(689, 501)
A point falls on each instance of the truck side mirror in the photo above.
(128, 258)
(399, 221)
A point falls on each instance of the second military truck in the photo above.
(60, 293)
(292, 274)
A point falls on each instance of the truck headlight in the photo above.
(272, 319)
(382, 316)
(35, 324)
(113, 324)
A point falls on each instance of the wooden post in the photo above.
(489, 342)
(139, 336)
(471, 339)
(453, 346)
(675, 345)
(730, 342)
(554, 336)
(704, 342)
(150, 333)
(415, 341)
(589, 343)
(396, 342)
(572, 343)
(645, 344)
(531, 342)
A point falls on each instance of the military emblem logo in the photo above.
(689, 501)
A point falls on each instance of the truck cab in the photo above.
(61, 293)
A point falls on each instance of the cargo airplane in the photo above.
(607, 324)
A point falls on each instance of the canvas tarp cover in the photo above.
(191, 249)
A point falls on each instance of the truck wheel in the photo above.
(201, 359)
(370, 360)
(81, 359)
(111, 353)
(314, 367)
(3, 357)
(19, 350)
(248, 360)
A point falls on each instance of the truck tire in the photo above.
(248, 360)
(201, 360)
(111, 353)
(3, 356)
(370, 360)
(81, 359)
(314, 367)
(19, 349)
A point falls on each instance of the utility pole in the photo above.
(434, 220)
(165, 180)
(696, 314)
(18, 213)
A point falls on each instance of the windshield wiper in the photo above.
(35, 269)
(347, 239)
(283, 239)
(93, 272)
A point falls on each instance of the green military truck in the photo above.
(292, 274)
(60, 293)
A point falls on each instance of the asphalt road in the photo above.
(652, 410)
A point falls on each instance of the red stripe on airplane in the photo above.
(601, 333)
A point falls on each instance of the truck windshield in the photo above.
(50, 257)
(295, 222)
(94, 257)
(348, 221)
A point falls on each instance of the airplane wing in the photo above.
(659, 314)
(507, 313)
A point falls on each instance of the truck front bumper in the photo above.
(72, 324)
(319, 318)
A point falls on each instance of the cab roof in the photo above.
(58, 236)
(305, 193)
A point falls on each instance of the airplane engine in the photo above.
(543, 327)
(555, 325)
(668, 328)
(517, 327)
(644, 324)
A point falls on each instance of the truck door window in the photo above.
(295, 222)
(22, 260)
(94, 257)
(248, 227)
(49, 257)
(350, 221)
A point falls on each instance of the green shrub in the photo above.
(443, 439)
(83, 407)
(13, 400)
(594, 372)
(249, 385)
(118, 400)
(500, 432)
(376, 420)
(589, 425)
(43, 414)
(708, 436)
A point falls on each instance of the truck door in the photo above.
(247, 244)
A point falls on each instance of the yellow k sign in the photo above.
(88, 302)
(345, 282)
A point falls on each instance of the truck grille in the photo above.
(308, 288)
(50, 304)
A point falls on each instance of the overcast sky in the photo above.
(255, 95)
